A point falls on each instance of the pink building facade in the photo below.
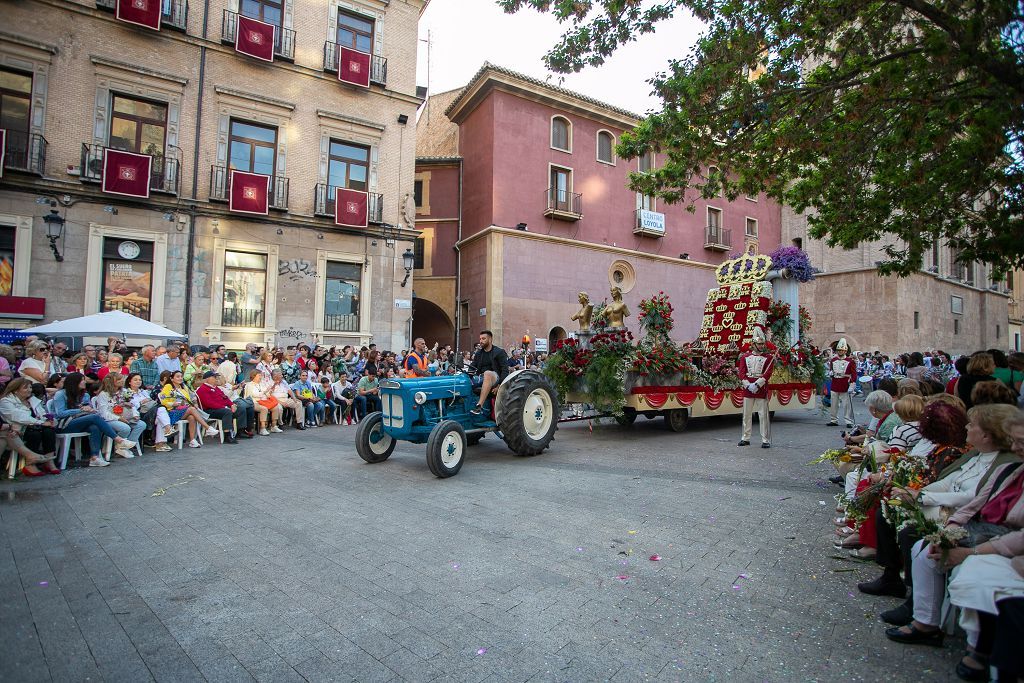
(546, 213)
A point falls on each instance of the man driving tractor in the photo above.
(491, 364)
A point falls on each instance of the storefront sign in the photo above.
(540, 345)
(127, 287)
(403, 303)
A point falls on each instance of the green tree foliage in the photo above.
(895, 121)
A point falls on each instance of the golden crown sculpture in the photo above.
(749, 267)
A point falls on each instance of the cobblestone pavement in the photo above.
(288, 558)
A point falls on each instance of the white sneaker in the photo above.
(264, 432)
(194, 443)
(276, 430)
(127, 455)
(98, 462)
(212, 431)
(123, 444)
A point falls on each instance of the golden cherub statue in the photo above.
(616, 312)
(585, 313)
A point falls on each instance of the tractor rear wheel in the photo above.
(528, 413)
(446, 449)
(373, 444)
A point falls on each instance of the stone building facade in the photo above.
(958, 308)
(545, 212)
(189, 97)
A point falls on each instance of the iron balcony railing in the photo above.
(347, 322)
(324, 203)
(563, 204)
(164, 175)
(25, 152)
(175, 12)
(378, 65)
(219, 188)
(284, 38)
(241, 317)
(717, 238)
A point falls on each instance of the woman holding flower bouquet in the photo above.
(150, 411)
(182, 404)
(990, 521)
(114, 406)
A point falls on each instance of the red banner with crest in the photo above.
(354, 67)
(351, 208)
(255, 38)
(140, 12)
(249, 193)
(126, 173)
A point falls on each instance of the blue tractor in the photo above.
(436, 411)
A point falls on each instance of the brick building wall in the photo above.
(79, 54)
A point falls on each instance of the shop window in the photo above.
(245, 289)
(127, 277)
(341, 303)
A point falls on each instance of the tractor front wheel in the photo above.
(528, 414)
(446, 449)
(373, 444)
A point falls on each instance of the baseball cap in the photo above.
(208, 374)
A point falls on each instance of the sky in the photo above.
(466, 33)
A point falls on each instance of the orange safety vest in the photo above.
(421, 363)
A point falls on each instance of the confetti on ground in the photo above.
(44, 583)
(181, 482)
(622, 577)
(655, 558)
(821, 502)
(744, 576)
(455, 566)
(482, 651)
(579, 550)
(735, 587)
(632, 532)
(782, 499)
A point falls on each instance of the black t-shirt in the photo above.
(496, 359)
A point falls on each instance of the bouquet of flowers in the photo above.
(836, 456)
(864, 502)
(656, 315)
(946, 538)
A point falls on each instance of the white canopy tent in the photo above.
(109, 324)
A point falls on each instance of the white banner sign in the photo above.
(652, 221)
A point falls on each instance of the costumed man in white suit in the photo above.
(755, 368)
(844, 376)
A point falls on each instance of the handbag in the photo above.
(270, 402)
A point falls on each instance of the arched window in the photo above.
(561, 134)
(605, 147)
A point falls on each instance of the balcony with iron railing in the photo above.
(323, 203)
(219, 188)
(341, 322)
(717, 238)
(284, 38)
(563, 205)
(175, 12)
(241, 317)
(164, 173)
(25, 152)
(378, 65)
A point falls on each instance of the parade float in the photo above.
(605, 370)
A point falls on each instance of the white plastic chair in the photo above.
(64, 443)
(182, 426)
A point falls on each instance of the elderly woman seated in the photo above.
(993, 521)
(956, 487)
(985, 393)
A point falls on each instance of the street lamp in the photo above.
(54, 229)
(408, 260)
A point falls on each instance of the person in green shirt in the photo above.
(195, 370)
(368, 390)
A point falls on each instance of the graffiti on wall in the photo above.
(296, 269)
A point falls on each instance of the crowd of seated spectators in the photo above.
(968, 440)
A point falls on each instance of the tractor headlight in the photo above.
(420, 398)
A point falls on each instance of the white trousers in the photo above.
(764, 422)
(846, 399)
(929, 585)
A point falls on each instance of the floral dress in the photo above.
(177, 401)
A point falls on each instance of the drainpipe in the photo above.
(191, 250)
(458, 272)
